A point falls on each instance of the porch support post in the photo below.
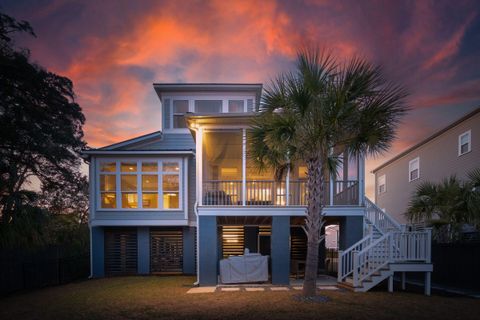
(199, 165)
(428, 285)
(390, 283)
(98, 252)
(351, 231)
(361, 180)
(280, 242)
(189, 250)
(143, 250)
(244, 167)
(208, 258)
(403, 280)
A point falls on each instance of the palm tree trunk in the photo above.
(315, 188)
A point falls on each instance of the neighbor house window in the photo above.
(382, 186)
(414, 169)
(464, 143)
(180, 107)
(140, 184)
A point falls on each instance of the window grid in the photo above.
(464, 143)
(414, 169)
(122, 191)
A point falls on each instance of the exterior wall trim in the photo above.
(278, 211)
(138, 223)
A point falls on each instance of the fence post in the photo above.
(355, 269)
(339, 266)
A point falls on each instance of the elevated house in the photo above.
(453, 150)
(179, 200)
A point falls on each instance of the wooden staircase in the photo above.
(386, 248)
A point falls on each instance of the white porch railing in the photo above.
(274, 193)
(392, 247)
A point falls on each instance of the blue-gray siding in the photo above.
(280, 249)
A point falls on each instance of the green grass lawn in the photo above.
(166, 298)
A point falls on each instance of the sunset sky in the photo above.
(114, 50)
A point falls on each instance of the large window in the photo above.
(208, 106)
(464, 143)
(414, 169)
(140, 184)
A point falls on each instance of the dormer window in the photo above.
(180, 107)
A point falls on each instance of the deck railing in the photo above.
(274, 193)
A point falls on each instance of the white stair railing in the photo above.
(379, 218)
(345, 258)
(372, 258)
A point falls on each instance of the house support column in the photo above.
(97, 252)
(189, 250)
(351, 231)
(403, 280)
(143, 250)
(428, 285)
(280, 250)
(208, 252)
(390, 283)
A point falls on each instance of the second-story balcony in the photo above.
(227, 176)
(276, 193)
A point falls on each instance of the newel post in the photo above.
(355, 269)
(429, 246)
(340, 266)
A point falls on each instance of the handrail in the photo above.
(379, 218)
(345, 258)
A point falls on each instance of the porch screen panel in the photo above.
(222, 167)
(120, 251)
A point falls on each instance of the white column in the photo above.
(361, 180)
(331, 185)
(287, 188)
(403, 280)
(244, 166)
(390, 283)
(199, 165)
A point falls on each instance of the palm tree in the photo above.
(447, 205)
(317, 112)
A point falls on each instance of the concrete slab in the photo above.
(279, 289)
(230, 289)
(297, 288)
(327, 288)
(202, 290)
(254, 289)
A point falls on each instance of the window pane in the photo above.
(129, 182)
(129, 200)
(170, 167)
(208, 106)
(149, 182)
(108, 200)
(236, 105)
(464, 139)
(414, 174)
(179, 121)
(180, 106)
(150, 200)
(108, 166)
(170, 200)
(464, 148)
(149, 167)
(170, 183)
(129, 167)
(108, 182)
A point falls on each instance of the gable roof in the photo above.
(433, 136)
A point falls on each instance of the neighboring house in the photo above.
(453, 150)
(179, 200)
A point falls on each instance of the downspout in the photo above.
(195, 208)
